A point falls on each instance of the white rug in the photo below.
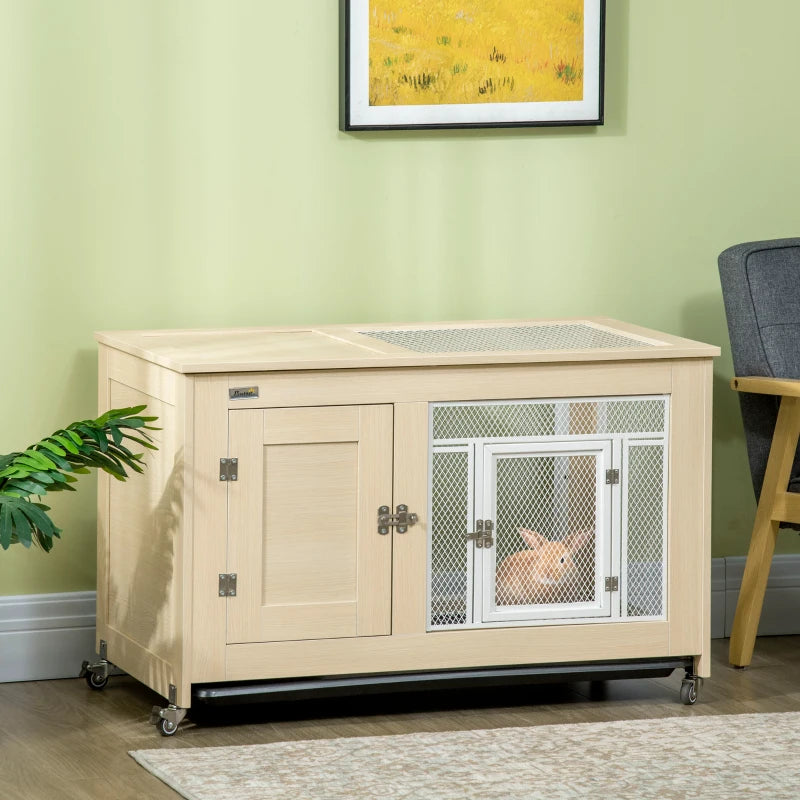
(720, 757)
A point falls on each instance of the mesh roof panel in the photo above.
(571, 336)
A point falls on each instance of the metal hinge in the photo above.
(229, 469)
(227, 584)
(482, 535)
(612, 477)
(402, 520)
(612, 584)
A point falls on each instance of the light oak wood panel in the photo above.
(689, 513)
(144, 541)
(428, 384)
(210, 504)
(448, 650)
(306, 426)
(375, 470)
(411, 454)
(303, 536)
(149, 378)
(145, 529)
(310, 524)
(319, 347)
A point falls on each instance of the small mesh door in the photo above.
(551, 553)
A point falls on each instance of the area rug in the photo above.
(720, 757)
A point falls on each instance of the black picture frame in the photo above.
(359, 113)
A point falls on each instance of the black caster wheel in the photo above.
(94, 681)
(688, 692)
(166, 728)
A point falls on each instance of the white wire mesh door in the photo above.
(517, 485)
(548, 506)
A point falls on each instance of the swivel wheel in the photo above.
(167, 727)
(95, 681)
(689, 691)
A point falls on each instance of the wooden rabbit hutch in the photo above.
(345, 505)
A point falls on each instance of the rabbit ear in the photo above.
(532, 539)
(575, 541)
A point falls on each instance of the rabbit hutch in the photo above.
(402, 506)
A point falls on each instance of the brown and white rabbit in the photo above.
(542, 574)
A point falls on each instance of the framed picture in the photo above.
(410, 64)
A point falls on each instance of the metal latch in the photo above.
(612, 477)
(482, 535)
(229, 469)
(227, 584)
(402, 520)
(612, 584)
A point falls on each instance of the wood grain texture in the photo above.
(409, 580)
(376, 435)
(309, 425)
(688, 514)
(763, 385)
(315, 456)
(88, 734)
(303, 534)
(449, 650)
(142, 534)
(429, 384)
(342, 347)
(210, 506)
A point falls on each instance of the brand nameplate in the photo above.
(243, 393)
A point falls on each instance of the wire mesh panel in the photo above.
(645, 557)
(461, 422)
(450, 551)
(545, 530)
(570, 336)
(531, 522)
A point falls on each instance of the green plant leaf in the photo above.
(66, 443)
(39, 458)
(22, 527)
(73, 435)
(28, 486)
(52, 447)
(52, 465)
(5, 523)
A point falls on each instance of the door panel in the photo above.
(303, 539)
(550, 508)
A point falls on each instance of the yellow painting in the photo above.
(442, 52)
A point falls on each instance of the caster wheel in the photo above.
(96, 682)
(166, 728)
(688, 692)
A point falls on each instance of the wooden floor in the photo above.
(61, 741)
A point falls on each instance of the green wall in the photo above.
(171, 163)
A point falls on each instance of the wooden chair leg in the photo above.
(765, 531)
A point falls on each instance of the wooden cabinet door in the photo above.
(302, 523)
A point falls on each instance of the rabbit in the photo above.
(541, 574)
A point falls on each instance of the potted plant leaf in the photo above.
(52, 464)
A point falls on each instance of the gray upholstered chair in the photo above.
(761, 288)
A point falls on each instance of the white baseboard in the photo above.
(45, 636)
(779, 615)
